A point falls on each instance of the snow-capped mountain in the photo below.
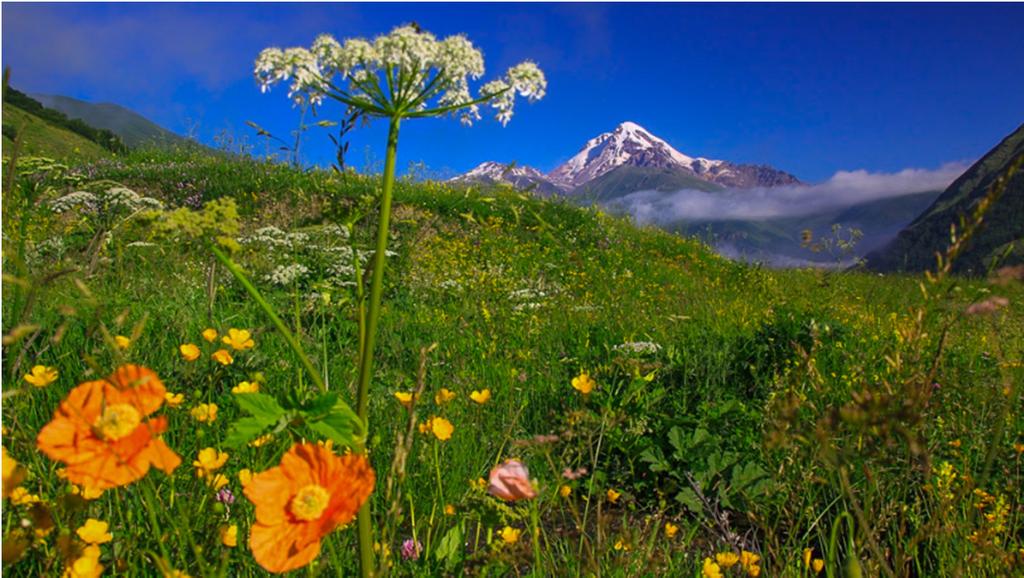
(628, 148)
(631, 144)
(519, 176)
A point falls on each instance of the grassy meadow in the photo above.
(742, 421)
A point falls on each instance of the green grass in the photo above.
(769, 390)
(41, 138)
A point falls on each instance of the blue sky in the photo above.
(810, 89)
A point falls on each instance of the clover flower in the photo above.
(411, 549)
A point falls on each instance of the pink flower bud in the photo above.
(511, 481)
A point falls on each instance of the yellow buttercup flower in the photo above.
(509, 534)
(87, 492)
(246, 387)
(205, 412)
(807, 557)
(404, 398)
(86, 566)
(189, 351)
(620, 545)
(238, 339)
(41, 375)
(727, 559)
(753, 571)
(210, 459)
(12, 474)
(244, 476)
(174, 399)
(583, 384)
(481, 397)
(94, 532)
(216, 481)
(210, 334)
(260, 441)
(449, 510)
(710, 569)
(748, 559)
(21, 497)
(444, 396)
(565, 491)
(229, 535)
(818, 565)
(441, 428)
(671, 530)
(122, 341)
(613, 496)
(223, 357)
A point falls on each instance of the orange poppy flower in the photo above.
(103, 431)
(302, 500)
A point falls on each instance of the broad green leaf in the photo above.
(688, 498)
(449, 549)
(260, 405)
(245, 429)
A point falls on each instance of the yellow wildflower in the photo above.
(246, 387)
(94, 532)
(205, 412)
(753, 571)
(613, 496)
(244, 476)
(441, 428)
(86, 492)
(449, 510)
(216, 481)
(86, 566)
(807, 557)
(818, 565)
(229, 535)
(671, 530)
(260, 441)
(404, 398)
(238, 339)
(481, 397)
(41, 375)
(565, 491)
(122, 341)
(210, 334)
(174, 399)
(210, 459)
(223, 357)
(1019, 448)
(509, 534)
(444, 396)
(748, 559)
(620, 545)
(583, 383)
(710, 569)
(189, 351)
(21, 497)
(727, 559)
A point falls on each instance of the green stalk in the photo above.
(366, 562)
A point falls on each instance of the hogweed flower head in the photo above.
(403, 74)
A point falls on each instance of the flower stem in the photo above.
(365, 527)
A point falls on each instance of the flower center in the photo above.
(117, 421)
(310, 502)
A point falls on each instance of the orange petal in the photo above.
(142, 385)
(275, 547)
(270, 492)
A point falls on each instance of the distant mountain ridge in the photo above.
(641, 160)
(914, 248)
(134, 129)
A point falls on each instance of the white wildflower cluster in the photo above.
(527, 299)
(111, 200)
(273, 238)
(79, 200)
(638, 347)
(403, 73)
(53, 248)
(286, 275)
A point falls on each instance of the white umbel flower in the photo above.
(405, 73)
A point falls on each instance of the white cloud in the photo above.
(845, 188)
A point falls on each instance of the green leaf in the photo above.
(339, 437)
(449, 549)
(245, 429)
(321, 404)
(688, 498)
(260, 405)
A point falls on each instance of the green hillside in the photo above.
(915, 247)
(735, 409)
(41, 138)
(134, 129)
